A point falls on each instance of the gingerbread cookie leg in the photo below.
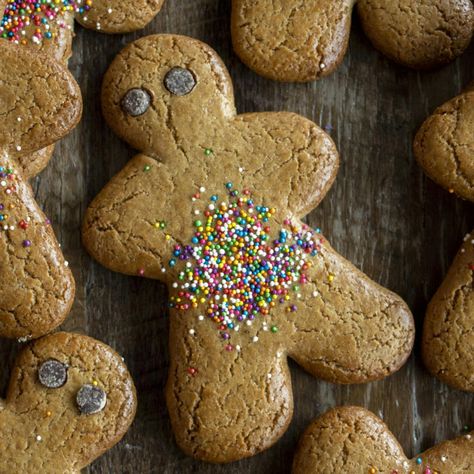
(353, 439)
(36, 286)
(448, 336)
(70, 399)
(291, 40)
(420, 35)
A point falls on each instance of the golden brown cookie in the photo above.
(444, 145)
(213, 208)
(298, 41)
(448, 336)
(352, 439)
(39, 103)
(52, 29)
(70, 399)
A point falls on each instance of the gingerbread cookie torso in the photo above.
(70, 399)
(50, 29)
(352, 439)
(39, 103)
(298, 41)
(213, 208)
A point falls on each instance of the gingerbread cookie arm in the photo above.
(291, 40)
(420, 35)
(354, 439)
(114, 16)
(36, 285)
(70, 399)
(444, 146)
(348, 329)
(32, 164)
(447, 337)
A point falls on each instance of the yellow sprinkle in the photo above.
(331, 278)
(95, 383)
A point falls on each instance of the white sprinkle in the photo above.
(175, 285)
(18, 119)
(84, 18)
(109, 10)
(3, 183)
(197, 212)
(269, 376)
(323, 66)
(163, 270)
(468, 437)
(241, 170)
(255, 339)
(66, 263)
(201, 317)
(443, 458)
(202, 189)
(278, 354)
(249, 323)
(38, 438)
(238, 348)
(192, 332)
(315, 294)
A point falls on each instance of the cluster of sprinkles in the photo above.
(30, 20)
(234, 266)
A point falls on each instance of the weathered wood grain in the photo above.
(382, 214)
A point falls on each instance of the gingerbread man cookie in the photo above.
(213, 208)
(49, 27)
(70, 399)
(352, 439)
(39, 103)
(295, 40)
(448, 335)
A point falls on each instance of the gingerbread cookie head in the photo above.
(70, 399)
(353, 439)
(302, 41)
(444, 145)
(212, 207)
(448, 345)
(39, 103)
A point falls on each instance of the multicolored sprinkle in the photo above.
(234, 266)
(21, 15)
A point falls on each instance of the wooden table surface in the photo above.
(382, 213)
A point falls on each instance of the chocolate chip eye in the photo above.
(52, 373)
(90, 399)
(136, 102)
(180, 81)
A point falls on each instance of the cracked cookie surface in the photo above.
(448, 333)
(213, 208)
(444, 146)
(353, 439)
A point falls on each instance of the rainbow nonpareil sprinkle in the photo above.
(30, 20)
(234, 266)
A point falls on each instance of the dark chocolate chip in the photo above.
(91, 399)
(52, 373)
(180, 81)
(136, 102)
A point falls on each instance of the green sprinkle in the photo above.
(147, 168)
(197, 223)
(274, 329)
(208, 151)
